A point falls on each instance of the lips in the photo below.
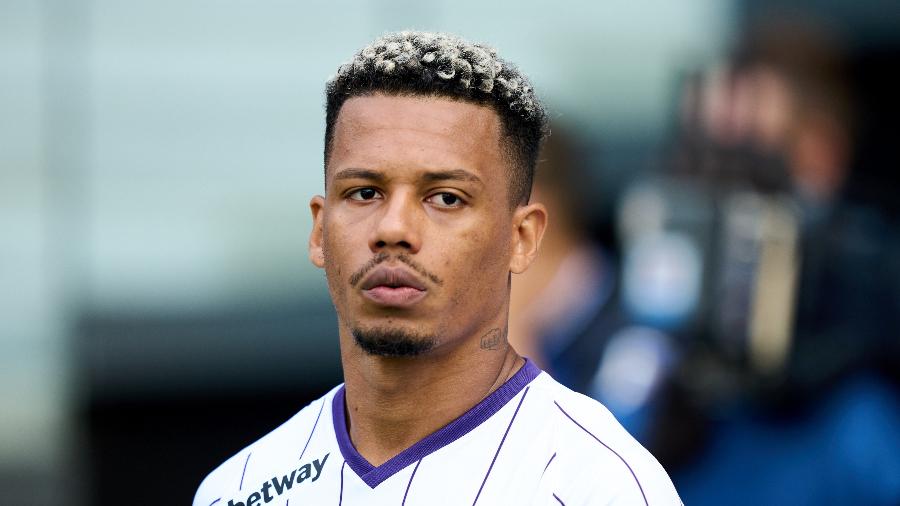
(393, 287)
(392, 277)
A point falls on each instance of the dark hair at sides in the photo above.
(443, 65)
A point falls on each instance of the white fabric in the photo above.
(592, 460)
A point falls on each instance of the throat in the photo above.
(386, 417)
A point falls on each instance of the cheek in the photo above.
(490, 245)
(336, 251)
(484, 260)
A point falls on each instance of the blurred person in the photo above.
(789, 106)
(572, 280)
(430, 146)
(820, 427)
(843, 306)
(566, 309)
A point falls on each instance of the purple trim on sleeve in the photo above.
(341, 496)
(513, 419)
(548, 464)
(372, 476)
(217, 500)
(558, 499)
(313, 429)
(410, 483)
(241, 484)
(636, 480)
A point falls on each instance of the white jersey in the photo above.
(532, 441)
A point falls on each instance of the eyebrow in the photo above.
(451, 175)
(359, 174)
(430, 176)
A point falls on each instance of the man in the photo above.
(430, 146)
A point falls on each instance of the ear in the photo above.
(529, 223)
(316, 250)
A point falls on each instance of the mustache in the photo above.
(404, 259)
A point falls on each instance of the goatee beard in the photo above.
(382, 342)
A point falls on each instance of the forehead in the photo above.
(388, 131)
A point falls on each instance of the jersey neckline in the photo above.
(465, 423)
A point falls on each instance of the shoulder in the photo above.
(590, 443)
(288, 435)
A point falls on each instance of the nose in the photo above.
(397, 225)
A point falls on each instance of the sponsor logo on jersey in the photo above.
(283, 484)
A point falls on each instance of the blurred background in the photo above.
(722, 268)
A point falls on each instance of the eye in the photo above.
(445, 199)
(363, 194)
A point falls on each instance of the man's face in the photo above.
(415, 231)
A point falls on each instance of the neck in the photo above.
(386, 396)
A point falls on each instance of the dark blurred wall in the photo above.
(169, 397)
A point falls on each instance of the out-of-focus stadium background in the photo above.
(724, 272)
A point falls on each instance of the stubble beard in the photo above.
(392, 342)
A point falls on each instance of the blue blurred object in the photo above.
(846, 450)
(662, 279)
(635, 363)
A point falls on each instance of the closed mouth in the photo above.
(392, 277)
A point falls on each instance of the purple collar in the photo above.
(447, 434)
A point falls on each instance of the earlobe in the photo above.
(316, 249)
(529, 223)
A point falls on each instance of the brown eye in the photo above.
(364, 194)
(445, 199)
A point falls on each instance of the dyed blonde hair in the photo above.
(443, 65)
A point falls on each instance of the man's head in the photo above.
(442, 65)
(430, 147)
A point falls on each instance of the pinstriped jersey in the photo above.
(532, 441)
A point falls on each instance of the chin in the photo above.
(392, 341)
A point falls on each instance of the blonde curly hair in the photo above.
(438, 64)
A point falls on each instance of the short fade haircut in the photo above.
(412, 63)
